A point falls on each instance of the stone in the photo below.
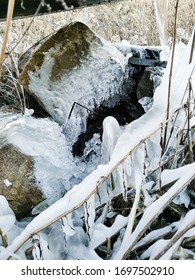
(74, 65)
(150, 80)
(17, 182)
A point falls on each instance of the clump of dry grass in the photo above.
(132, 20)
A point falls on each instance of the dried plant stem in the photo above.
(7, 29)
(4, 238)
(28, 27)
(188, 107)
(193, 47)
(190, 146)
(22, 103)
(170, 74)
(174, 239)
(145, 226)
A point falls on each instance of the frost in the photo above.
(146, 103)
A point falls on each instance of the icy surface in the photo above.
(146, 102)
(42, 139)
(99, 78)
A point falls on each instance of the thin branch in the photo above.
(7, 29)
(171, 72)
(174, 239)
(27, 29)
(154, 210)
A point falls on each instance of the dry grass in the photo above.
(132, 20)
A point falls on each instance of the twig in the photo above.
(188, 104)
(143, 227)
(27, 29)
(7, 29)
(89, 110)
(174, 239)
(170, 74)
(4, 238)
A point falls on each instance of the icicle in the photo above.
(89, 214)
(161, 12)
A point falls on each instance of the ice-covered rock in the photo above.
(74, 65)
(150, 80)
(35, 161)
(17, 181)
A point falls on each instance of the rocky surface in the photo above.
(149, 81)
(17, 181)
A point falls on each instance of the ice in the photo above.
(182, 198)
(4, 207)
(166, 249)
(7, 183)
(146, 103)
(98, 79)
(111, 133)
(155, 209)
(148, 199)
(155, 234)
(43, 140)
(161, 11)
(6, 223)
(154, 249)
(101, 232)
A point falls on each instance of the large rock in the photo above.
(74, 65)
(17, 181)
(35, 161)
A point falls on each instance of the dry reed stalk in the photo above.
(174, 239)
(10, 11)
(171, 72)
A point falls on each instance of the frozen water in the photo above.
(98, 79)
(146, 103)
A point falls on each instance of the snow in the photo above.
(7, 183)
(155, 234)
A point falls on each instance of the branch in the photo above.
(7, 29)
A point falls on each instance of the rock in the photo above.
(35, 161)
(146, 62)
(149, 81)
(74, 65)
(17, 182)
